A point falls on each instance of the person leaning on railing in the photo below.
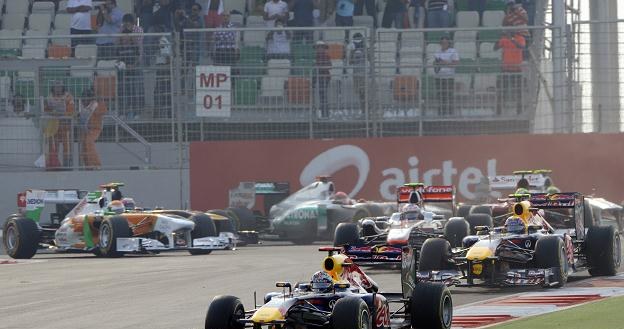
(90, 123)
(80, 20)
(509, 83)
(58, 110)
(225, 43)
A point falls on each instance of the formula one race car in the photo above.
(313, 212)
(546, 239)
(341, 295)
(98, 222)
(380, 239)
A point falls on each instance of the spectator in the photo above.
(145, 9)
(213, 11)
(509, 84)
(194, 41)
(109, 19)
(515, 15)
(322, 76)
(344, 13)
(278, 42)
(478, 6)
(59, 106)
(129, 23)
(80, 20)
(395, 12)
(437, 14)
(129, 88)
(179, 21)
(162, 18)
(225, 43)
(91, 117)
(273, 10)
(417, 5)
(303, 17)
(444, 67)
(371, 9)
(162, 92)
(357, 59)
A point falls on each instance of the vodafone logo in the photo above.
(336, 159)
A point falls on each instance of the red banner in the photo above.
(373, 168)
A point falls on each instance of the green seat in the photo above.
(496, 5)
(303, 52)
(54, 73)
(490, 65)
(466, 66)
(25, 87)
(252, 54)
(428, 87)
(434, 36)
(245, 91)
(303, 67)
(461, 5)
(489, 36)
(77, 85)
(10, 53)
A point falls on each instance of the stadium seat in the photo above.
(62, 6)
(334, 36)
(466, 66)
(82, 71)
(432, 49)
(434, 36)
(251, 62)
(254, 38)
(486, 50)
(62, 21)
(36, 38)
(461, 5)
(467, 50)
(105, 86)
(40, 22)
(77, 85)
(491, 19)
(385, 66)
(10, 47)
(33, 52)
(237, 5)
(43, 7)
(86, 51)
(17, 7)
(59, 51)
(405, 88)
(364, 21)
(463, 82)
(237, 20)
(273, 86)
(13, 22)
(106, 68)
(412, 38)
(485, 82)
(386, 35)
(25, 87)
(298, 90)
(411, 65)
(60, 41)
(465, 36)
(468, 19)
(246, 92)
(255, 21)
(496, 5)
(337, 68)
(414, 51)
(489, 60)
(278, 67)
(336, 51)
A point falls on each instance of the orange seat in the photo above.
(336, 51)
(405, 87)
(59, 51)
(298, 90)
(105, 86)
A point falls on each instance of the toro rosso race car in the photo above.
(341, 295)
(380, 239)
(98, 222)
(546, 239)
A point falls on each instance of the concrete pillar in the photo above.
(605, 66)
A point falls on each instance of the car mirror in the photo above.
(482, 229)
(341, 286)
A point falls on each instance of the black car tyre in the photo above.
(463, 210)
(481, 210)
(435, 255)
(223, 313)
(359, 214)
(604, 250)
(20, 237)
(346, 233)
(479, 220)
(228, 214)
(245, 217)
(204, 226)
(431, 306)
(456, 230)
(111, 229)
(550, 252)
(351, 313)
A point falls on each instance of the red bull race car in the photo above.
(546, 238)
(340, 295)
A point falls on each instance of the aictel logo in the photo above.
(343, 156)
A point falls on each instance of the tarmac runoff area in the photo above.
(173, 290)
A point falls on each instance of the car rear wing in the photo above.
(31, 202)
(435, 193)
(506, 182)
(556, 200)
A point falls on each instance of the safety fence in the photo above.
(280, 83)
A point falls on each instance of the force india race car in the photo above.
(93, 223)
(339, 296)
(553, 241)
(380, 239)
(313, 212)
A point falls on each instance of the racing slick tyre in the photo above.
(111, 229)
(351, 313)
(226, 213)
(479, 220)
(481, 210)
(204, 226)
(245, 218)
(431, 306)
(223, 313)
(604, 250)
(550, 252)
(20, 237)
(346, 233)
(463, 210)
(435, 254)
(456, 230)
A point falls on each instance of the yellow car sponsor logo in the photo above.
(478, 253)
(267, 314)
(477, 269)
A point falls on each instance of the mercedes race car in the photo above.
(547, 238)
(98, 222)
(339, 296)
(426, 212)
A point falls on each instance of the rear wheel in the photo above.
(481, 210)
(224, 313)
(245, 218)
(435, 255)
(479, 220)
(431, 306)
(456, 230)
(204, 226)
(20, 237)
(604, 250)
(351, 313)
(550, 252)
(111, 229)
(359, 214)
(346, 234)
(463, 210)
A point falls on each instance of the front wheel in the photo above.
(456, 230)
(224, 313)
(204, 227)
(351, 313)
(431, 306)
(346, 234)
(20, 237)
(111, 229)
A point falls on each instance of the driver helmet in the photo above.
(411, 212)
(514, 224)
(321, 282)
(116, 207)
(342, 197)
(128, 203)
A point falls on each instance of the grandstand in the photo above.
(155, 101)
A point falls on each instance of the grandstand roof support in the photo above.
(562, 115)
(605, 66)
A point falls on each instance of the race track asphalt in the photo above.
(161, 291)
